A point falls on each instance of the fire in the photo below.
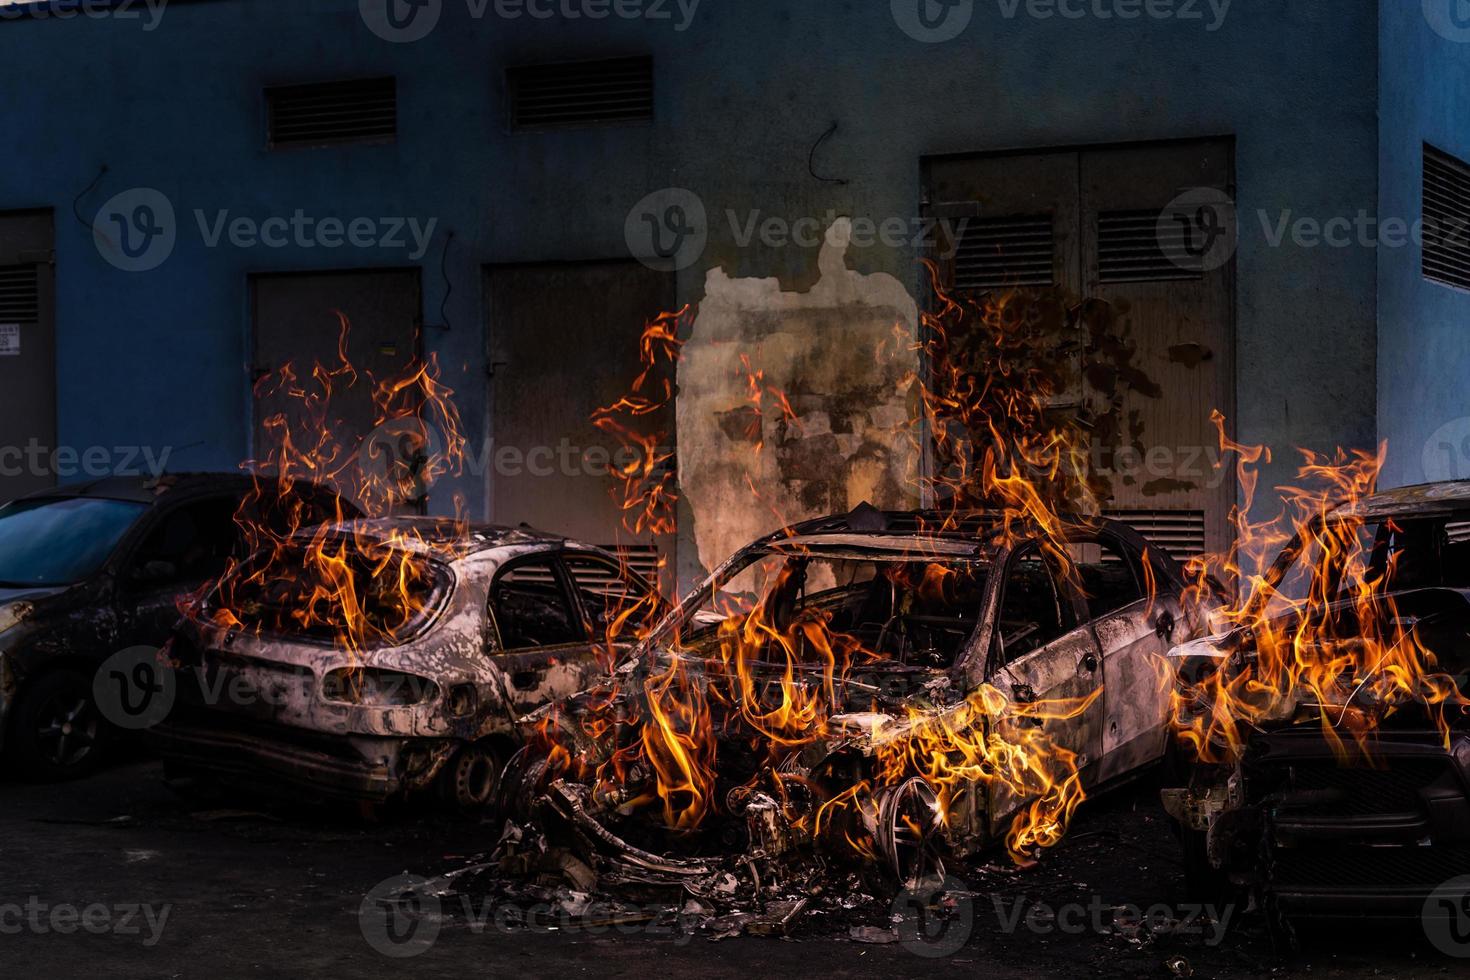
(359, 589)
(648, 483)
(765, 687)
(1339, 648)
(988, 740)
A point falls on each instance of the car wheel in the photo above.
(909, 833)
(57, 732)
(470, 783)
(522, 780)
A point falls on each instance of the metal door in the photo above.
(563, 341)
(297, 323)
(1095, 225)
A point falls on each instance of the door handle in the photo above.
(1164, 626)
(1089, 663)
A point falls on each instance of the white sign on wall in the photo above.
(9, 339)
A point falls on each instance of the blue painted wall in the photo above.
(743, 94)
(1424, 327)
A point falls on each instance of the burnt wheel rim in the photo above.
(476, 779)
(67, 730)
(910, 833)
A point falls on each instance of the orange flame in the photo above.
(359, 589)
(1323, 630)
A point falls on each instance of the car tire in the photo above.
(57, 732)
(470, 783)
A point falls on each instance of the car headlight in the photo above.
(377, 688)
(1460, 749)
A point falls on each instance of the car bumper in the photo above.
(304, 763)
(1365, 840)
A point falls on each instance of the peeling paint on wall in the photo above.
(842, 355)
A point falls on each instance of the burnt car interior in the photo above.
(911, 614)
(1034, 609)
(531, 607)
(569, 598)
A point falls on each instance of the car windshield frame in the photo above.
(92, 559)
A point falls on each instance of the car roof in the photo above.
(905, 545)
(983, 530)
(147, 489)
(1421, 500)
(439, 535)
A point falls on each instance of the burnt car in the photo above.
(1329, 726)
(375, 659)
(90, 569)
(887, 686)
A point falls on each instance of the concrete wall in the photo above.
(1424, 327)
(743, 96)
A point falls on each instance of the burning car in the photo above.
(373, 659)
(882, 686)
(90, 569)
(1329, 721)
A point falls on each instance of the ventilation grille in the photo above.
(360, 111)
(20, 294)
(641, 560)
(1135, 246)
(583, 93)
(1446, 219)
(1179, 532)
(1458, 532)
(1002, 253)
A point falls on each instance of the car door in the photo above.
(186, 546)
(1135, 613)
(539, 638)
(1041, 650)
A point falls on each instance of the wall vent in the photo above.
(328, 113)
(641, 560)
(20, 294)
(1003, 253)
(1133, 246)
(1446, 219)
(1179, 532)
(581, 93)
